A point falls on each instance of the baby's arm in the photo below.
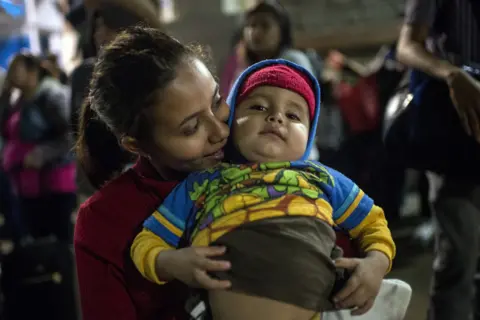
(158, 251)
(162, 231)
(144, 251)
(356, 213)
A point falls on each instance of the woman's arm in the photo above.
(102, 294)
(142, 8)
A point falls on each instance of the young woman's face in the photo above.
(189, 121)
(262, 33)
(18, 74)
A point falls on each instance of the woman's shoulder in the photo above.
(110, 218)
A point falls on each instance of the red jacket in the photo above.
(110, 286)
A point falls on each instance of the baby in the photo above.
(267, 218)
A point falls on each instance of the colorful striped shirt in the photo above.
(211, 203)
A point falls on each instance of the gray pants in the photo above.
(457, 213)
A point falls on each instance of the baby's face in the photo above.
(271, 124)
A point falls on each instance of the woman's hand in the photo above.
(363, 286)
(191, 266)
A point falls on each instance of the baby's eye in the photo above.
(293, 116)
(258, 107)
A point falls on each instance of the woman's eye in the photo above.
(191, 130)
(218, 103)
(258, 108)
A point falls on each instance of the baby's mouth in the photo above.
(274, 133)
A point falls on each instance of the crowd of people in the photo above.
(265, 195)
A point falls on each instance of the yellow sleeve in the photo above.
(144, 251)
(374, 234)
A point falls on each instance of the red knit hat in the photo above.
(281, 76)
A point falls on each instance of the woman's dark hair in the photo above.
(32, 63)
(127, 79)
(283, 19)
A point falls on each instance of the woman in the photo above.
(156, 98)
(36, 153)
(266, 34)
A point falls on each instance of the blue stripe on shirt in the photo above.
(347, 203)
(358, 214)
(160, 230)
(170, 216)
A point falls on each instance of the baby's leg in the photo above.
(229, 305)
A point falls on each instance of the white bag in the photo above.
(391, 304)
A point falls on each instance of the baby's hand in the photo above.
(363, 286)
(191, 266)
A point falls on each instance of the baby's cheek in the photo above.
(301, 133)
(242, 128)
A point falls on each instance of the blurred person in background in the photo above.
(146, 12)
(37, 148)
(147, 9)
(437, 39)
(108, 21)
(235, 61)
(362, 92)
(50, 63)
(8, 204)
(355, 91)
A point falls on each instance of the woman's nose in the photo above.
(219, 131)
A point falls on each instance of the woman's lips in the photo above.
(216, 155)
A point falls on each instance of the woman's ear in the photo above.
(131, 145)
